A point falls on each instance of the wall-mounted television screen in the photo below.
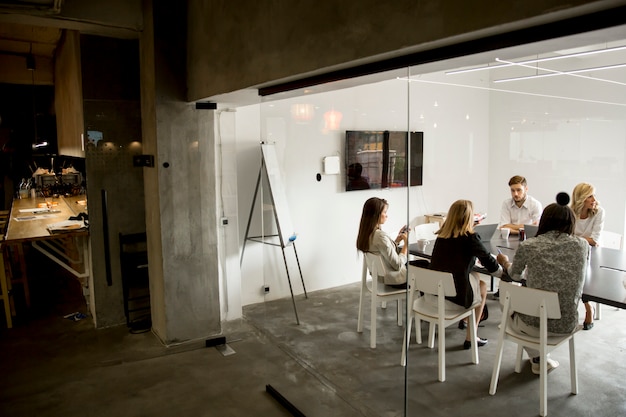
(383, 159)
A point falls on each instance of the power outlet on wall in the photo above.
(265, 289)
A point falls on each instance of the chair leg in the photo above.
(543, 384)
(359, 323)
(598, 311)
(472, 324)
(518, 359)
(373, 321)
(493, 386)
(418, 331)
(431, 334)
(442, 351)
(399, 312)
(407, 340)
(572, 366)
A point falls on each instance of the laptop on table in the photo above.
(485, 231)
(530, 230)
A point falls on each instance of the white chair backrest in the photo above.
(610, 240)
(426, 231)
(374, 264)
(529, 301)
(427, 280)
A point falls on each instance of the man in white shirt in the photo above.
(521, 208)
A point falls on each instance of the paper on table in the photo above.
(37, 217)
(39, 210)
(66, 226)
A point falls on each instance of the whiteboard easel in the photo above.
(286, 234)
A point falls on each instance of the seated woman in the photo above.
(372, 238)
(589, 225)
(555, 260)
(456, 249)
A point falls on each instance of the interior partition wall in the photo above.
(483, 120)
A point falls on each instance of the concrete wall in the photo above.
(186, 306)
(239, 44)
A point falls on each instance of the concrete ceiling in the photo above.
(23, 39)
(27, 53)
(33, 28)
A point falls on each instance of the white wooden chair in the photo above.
(380, 293)
(610, 240)
(542, 304)
(426, 231)
(440, 284)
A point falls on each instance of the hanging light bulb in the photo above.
(302, 112)
(30, 60)
(332, 120)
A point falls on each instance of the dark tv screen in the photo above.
(383, 159)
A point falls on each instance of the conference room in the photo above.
(551, 111)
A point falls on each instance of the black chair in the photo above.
(135, 280)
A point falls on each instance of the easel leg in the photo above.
(295, 310)
(256, 191)
(299, 269)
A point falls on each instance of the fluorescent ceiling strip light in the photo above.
(499, 90)
(532, 61)
(553, 72)
(527, 77)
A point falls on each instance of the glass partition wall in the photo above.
(481, 120)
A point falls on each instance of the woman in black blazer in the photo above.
(456, 249)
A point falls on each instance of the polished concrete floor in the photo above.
(51, 366)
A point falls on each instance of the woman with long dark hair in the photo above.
(372, 238)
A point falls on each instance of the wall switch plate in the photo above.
(143, 161)
(331, 165)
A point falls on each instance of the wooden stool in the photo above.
(16, 266)
(4, 287)
(4, 221)
(5, 273)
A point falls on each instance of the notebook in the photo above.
(530, 230)
(485, 231)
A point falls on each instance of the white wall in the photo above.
(556, 144)
(324, 215)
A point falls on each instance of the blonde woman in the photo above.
(589, 225)
(456, 249)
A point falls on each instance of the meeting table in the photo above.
(606, 272)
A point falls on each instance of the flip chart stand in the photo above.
(286, 235)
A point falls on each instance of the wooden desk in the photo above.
(69, 249)
(606, 274)
(25, 226)
(435, 218)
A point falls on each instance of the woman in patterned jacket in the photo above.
(555, 260)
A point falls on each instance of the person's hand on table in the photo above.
(504, 261)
